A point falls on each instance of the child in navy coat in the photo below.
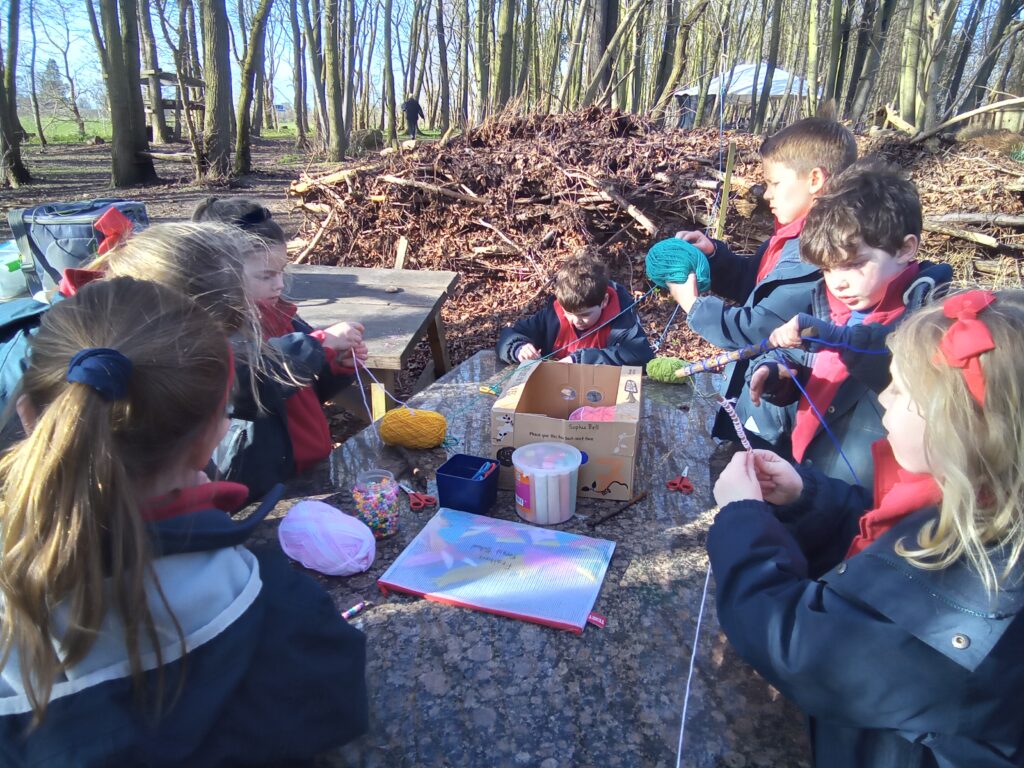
(894, 621)
(137, 628)
(590, 319)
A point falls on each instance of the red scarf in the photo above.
(829, 371)
(307, 426)
(569, 340)
(223, 495)
(897, 494)
(783, 234)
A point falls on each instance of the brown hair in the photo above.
(71, 490)
(581, 282)
(975, 452)
(241, 212)
(814, 142)
(869, 203)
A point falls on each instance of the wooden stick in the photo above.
(723, 201)
(608, 193)
(964, 234)
(596, 521)
(301, 258)
(431, 188)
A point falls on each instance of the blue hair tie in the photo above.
(107, 371)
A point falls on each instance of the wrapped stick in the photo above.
(735, 418)
(719, 361)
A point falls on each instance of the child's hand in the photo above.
(787, 335)
(527, 352)
(349, 356)
(738, 481)
(699, 239)
(686, 293)
(760, 378)
(342, 345)
(780, 482)
(351, 331)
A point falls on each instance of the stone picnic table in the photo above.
(455, 687)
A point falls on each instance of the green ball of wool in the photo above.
(673, 260)
(664, 369)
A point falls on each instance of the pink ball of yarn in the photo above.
(593, 413)
(327, 540)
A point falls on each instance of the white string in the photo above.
(689, 676)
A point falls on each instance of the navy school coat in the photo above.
(897, 667)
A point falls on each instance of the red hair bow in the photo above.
(114, 226)
(966, 339)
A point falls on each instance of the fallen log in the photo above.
(964, 234)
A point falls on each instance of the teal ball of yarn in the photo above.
(673, 260)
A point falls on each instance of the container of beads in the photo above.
(376, 496)
(546, 482)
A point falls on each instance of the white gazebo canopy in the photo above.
(741, 83)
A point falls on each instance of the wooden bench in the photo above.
(397, 307)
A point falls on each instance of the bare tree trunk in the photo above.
(966, 41)
(349, 86)
(464, 67)
(442, 56)
(483, 57)
(298, 98)
(217, 75)
(813, 16)
(311, 23)
(32, 74)
(389, 77)
(667, 58)
(259, 102)
(12, 171)
(246, 87)
(161, 133)
(682, 40)
(575, 54)
(604, 22)
(332, 73)
(860, 54)
(879, 33)
(118, 46)
(910, 64)
(773, 54)
(506, 30)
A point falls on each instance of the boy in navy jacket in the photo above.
(589, 320)
(771, 286)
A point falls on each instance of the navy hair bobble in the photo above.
(105, 370)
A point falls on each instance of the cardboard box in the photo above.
(535, 406)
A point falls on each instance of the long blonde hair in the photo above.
(70, 491)
(976, 453)
(204, 261)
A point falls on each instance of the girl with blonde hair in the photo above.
(895, 623)
(136, 628)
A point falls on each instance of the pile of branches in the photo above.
(506, 203)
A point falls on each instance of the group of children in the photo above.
(867, 554)
(138, 629)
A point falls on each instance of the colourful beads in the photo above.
(376, 496)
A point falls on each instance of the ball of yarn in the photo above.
(672, 261)
(664, 369)
(413, 428)
(327, 540)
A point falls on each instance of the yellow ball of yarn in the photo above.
(413, 428)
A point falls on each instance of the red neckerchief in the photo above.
(221, 495)
(897, 494)
(308, 430)
(783, 234)
(276, 317)
(114, 226)
(74, 279)
(569, 340)
(829, 371)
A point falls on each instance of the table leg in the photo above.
(378, 398)
(439, 346)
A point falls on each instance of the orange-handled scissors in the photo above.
(682, 483)
(417, 501)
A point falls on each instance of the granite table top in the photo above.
(455, 687)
